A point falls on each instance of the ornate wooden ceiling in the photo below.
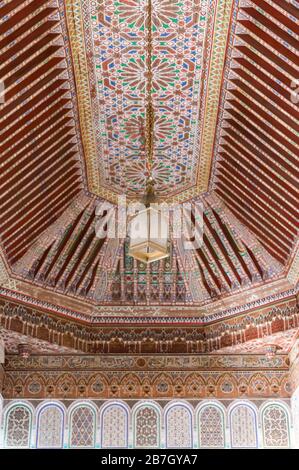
(71, 129)
(109, 47)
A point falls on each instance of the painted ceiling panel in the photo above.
(110, 49)
(119, 38)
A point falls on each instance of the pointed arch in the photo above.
(130, 385)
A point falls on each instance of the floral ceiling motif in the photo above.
(112, 51)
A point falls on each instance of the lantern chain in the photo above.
(149, 137)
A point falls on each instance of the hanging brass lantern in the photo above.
(149, 230)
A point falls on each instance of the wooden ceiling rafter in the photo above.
(39, 146)
(70, 246)
(256, 170)
(57, 248)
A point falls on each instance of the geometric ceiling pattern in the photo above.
(109, 45)
(119, 38)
